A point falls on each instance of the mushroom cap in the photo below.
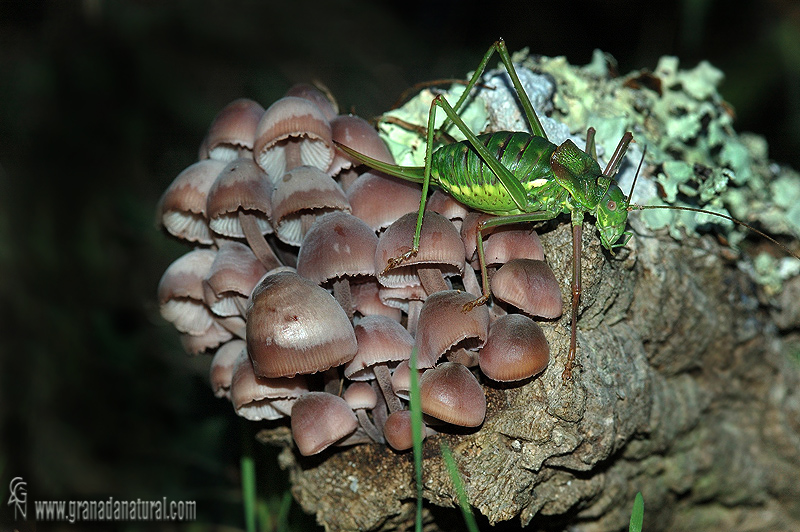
(211, 338)
(292, 119)
(530, 285)
(252, 395)
(380, 200)
(380, 340)
(319, 420)
(304, 190)
(233, 274)
(367, 301)
(321, 98)
(516, 349)
(241, 185)
(180, 292)
(358, 134)
(222, 366)
(233, 130)
(440, 245)
(443, 324)
(360, 395)
(451, 392)
(502, 243)
(294, 326)
(337, 245)
(182, 208)
(446, 205)
(398, 431)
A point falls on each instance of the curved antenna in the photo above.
(619, 153)
(725, 216)
(638, 168)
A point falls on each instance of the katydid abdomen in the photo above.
(459, 170)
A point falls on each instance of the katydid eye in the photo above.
(611, 205)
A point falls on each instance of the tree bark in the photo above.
(687, 391)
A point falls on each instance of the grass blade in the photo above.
(637, 514)
(248, 468)
(452, 469)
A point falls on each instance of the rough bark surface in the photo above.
(687, 392)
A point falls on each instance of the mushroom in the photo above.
(233, 130)
(360, 396)
(338, 247)
(443, 324)
(380, 200)
(441, 252)
(292, 132)
(239, 206)
(530, 285)
(319, 420)
(300, 197)
(451, 393)
(516, 349)
(381, 340)
(180, 292)
(222, 365)
(252, 396)
(367, 301)
(356, 133)
(231, 278)
(399, 432)
(294, 326)
(182, 208)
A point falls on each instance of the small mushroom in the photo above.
(399, 432)
(233, 130)
(381, 341)
(292, 132)
(380, 200)
(300, 197)
(319, 95)
(441, 252)
(252, 396)
(180, 292)
(443, 325)
(451, 393)
(231, 278)
(319, 420)
(530, 285)
(295, 326)
(515, 350)
(182, 208)
(338, 247)
(222, 366)
(361, 397)
(239, 206)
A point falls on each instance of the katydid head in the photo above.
(612, 217)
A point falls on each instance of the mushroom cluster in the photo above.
(286, 283)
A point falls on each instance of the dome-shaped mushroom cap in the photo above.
(439, 244)
(451, 392)
(182, 208)
(321, 98)
(360, 395)
(380, 200)
(338, 244)
(231, 278)
(233, 130)
(241, 185)
(222, 366)
(180, 292)
(529, 285)
(319, 420)
(398, 431)
(356, 133)
(442, 324)
(297, 118)
(380, 339)
(304, 191)
(294, 326)
(516, 349)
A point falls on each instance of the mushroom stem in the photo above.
(255, 238)
(292, 154)
(368, 426)
(432, 279)
(414, 308)
(333, 383)
(342, 293)
(385, 382)
(306, 221)
(470, 280)
(379, 413)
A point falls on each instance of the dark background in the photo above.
(103, 103)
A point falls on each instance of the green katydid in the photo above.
(522, 177)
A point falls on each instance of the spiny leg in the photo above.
(500, 47)
(577, 235)
(537, 216)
